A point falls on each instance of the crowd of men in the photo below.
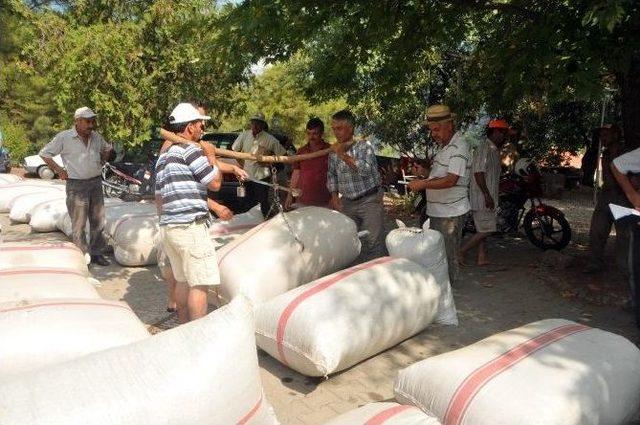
(346, 180)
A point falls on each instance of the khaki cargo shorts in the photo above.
(191, 252)
(485, 221)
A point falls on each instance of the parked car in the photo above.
(35, 165)
(5, 160)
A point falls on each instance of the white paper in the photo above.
(620, 211)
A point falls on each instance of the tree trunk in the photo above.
(630, 90)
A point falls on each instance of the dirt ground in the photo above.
(522, 285)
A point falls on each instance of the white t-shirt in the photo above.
(628, 162)
(486, 160)
(454, 201)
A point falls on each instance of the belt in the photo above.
(365, 194)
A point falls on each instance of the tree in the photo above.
(513, 58)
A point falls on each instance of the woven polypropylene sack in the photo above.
(133, 240)
(222, 232)
(7, 179)
(203, 372)
(47, 331)
(285, 252)
(24, 205)
(386, 413)
(426, 247)
(45, 216)
(10, 192)
(38, 283)
(60, 255)
(114, 211)
(552, 372)
(337, 321)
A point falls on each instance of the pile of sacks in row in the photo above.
(130, 227)
(299, 304)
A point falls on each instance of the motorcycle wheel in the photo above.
(549, 230)
(112, 192)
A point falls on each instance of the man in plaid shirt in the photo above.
(354, 182)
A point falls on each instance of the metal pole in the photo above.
(598, 176)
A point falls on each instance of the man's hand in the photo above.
(335, 203)
(240, 173)
(222, 211)
(635, 200)
(339, 148)
(288, 202)
(416, 185)
(488, 201)
(62, 174)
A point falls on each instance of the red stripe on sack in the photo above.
(127, 218)
(320, 286)
(43, 270)
(247, 235)
(52, 304)
(39, 247)
(473, 383)
(387, 414)
(230, 229)
(246, 418)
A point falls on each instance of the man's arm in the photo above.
(51, 149)
(489, 202)
(625, 183)
(221, 211)
(204, 166)
(295, 177)
(445, 182)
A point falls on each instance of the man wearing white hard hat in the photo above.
(257, 140)
(183, 174)
(83, 151)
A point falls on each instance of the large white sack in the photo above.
(6, 179)
(386, 413)
(203, 372)
(426, 247)
(23, 205)
(114, 210)
(38, 283)
(47, 331)
(9, 192)
(133, 240)
(552, 372)
(342, 319)
(274, 257)
(222, 232)
(45, 216)
(60, 255)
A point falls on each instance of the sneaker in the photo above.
(100, 260)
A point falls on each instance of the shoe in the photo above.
(100, 260)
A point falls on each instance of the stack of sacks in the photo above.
(342, 319)
(6, 179)
(10, 192)
(24, 205)
(385, 413)
(425, 247)
(45, 216)
(203, 372)
(222, 232)
(51, 312)
(115, 211)
(285, 252)
(547, 372)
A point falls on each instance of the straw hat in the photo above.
(258, 117)
(439, 113)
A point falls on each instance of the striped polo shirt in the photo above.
(182, 176)
(454, 201)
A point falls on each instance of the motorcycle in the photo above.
(118, 183)
(545, 226)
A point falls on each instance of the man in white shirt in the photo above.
(83, 152)
(621, 167)
(447, 186)
(485, 171)
(258, 141)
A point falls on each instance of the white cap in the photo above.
(84, 112)
(186, 112)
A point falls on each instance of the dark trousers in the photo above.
(601, 222)
(259, 193)
(368, 214)
(85, 201)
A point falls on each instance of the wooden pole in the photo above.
(172, 137)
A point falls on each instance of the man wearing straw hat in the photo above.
(448, 183)
(258, 141)
(83, 151)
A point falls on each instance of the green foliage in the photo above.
(15, 140)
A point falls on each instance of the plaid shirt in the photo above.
(354, 183)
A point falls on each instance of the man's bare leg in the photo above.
(167, 274)
(197, 302)
(181, 294)
(482, 252)
(471, 243)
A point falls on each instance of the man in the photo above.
(83, 152)
(622, 167)
(184, 173)
(447, 184)
(485, 170)
(310, 176)
(353, 173)
(258, 141)
(611, 192)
